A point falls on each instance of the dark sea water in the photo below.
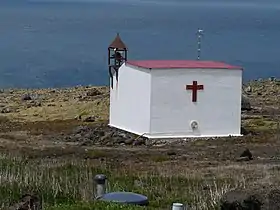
(64, 43)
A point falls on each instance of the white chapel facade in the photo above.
(173, 98)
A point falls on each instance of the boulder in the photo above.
(248, 89)
(254, 198)
(27, 202)
(26, 97)
(93, 92)
(244, 131)
(247, 153)
(103, 135)
(90, 119)
(241, 200)
(245, 103)
(33, 103)
(6, 110)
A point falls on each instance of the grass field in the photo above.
(68, 184)
(35, 157)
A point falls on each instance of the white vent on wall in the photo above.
(194, 124)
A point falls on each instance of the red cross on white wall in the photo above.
(194, 87)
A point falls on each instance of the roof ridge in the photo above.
(182, 64)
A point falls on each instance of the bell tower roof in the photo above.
(118, 43)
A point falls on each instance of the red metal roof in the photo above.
(181, 64)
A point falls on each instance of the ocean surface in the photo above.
(46, 43)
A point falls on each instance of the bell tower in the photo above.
(117, 55)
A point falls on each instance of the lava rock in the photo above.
(128, 141)
(246, 155)
(93, 92)
(26, 97)
(34, 104)
(248, 89)
(240, 200)
(86, 143)
(103, 135)
(274, 199)
(6, 110)
(79, 117)
(244, 131)
(27, 202)
(255, 198)
(90, 119)
(77, 137)
(89, 135)
(139, 142)
(245, 103)
(171, 153)
(81, 129)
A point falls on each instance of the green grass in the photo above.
(261, 124)
(68, 184)
(95, 206)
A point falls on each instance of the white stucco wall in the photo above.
(217, 110)
(130, 100)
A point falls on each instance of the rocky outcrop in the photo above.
(93, 92)
(246, 155)
(103, 135)
(245, 103)
(255, 198)
(27, 202)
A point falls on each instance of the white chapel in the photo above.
(173, 98)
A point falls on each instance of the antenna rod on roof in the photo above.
(199, 35)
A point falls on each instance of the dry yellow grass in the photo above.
(58, 104)
(69, 103)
